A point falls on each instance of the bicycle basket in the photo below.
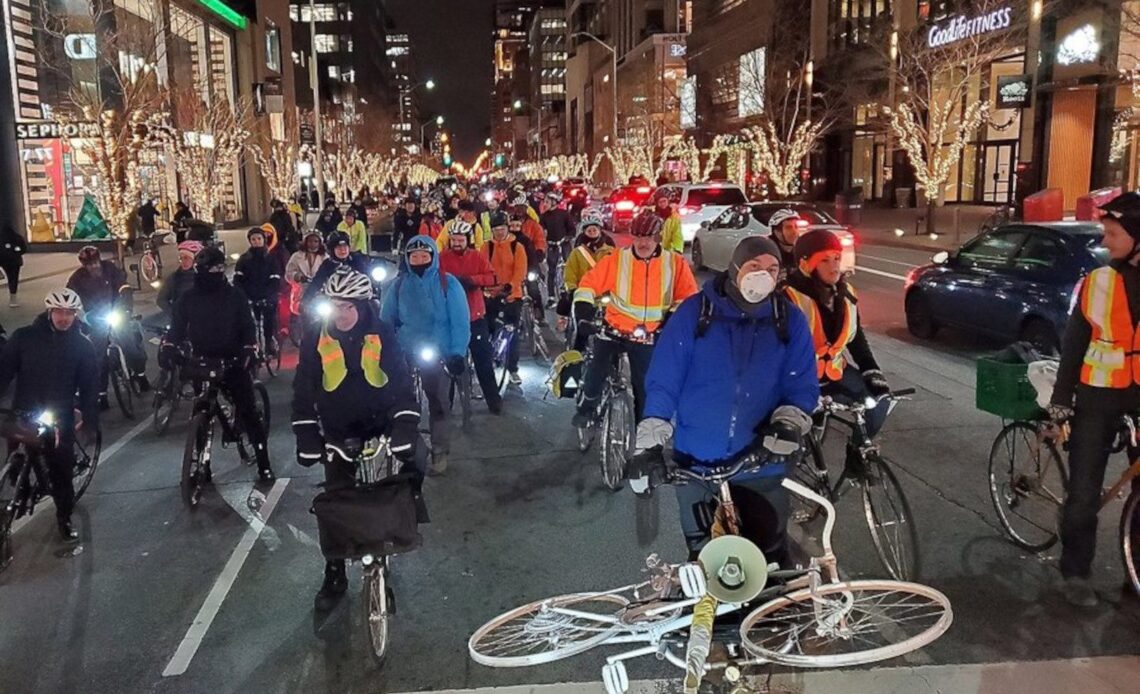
(379, 519)
(566, 374)
(1004, 389)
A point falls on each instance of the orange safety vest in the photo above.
(830, 361)
(1112, 359)
(641, 291)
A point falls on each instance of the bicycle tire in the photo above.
(890, 521)
(579, 634)
(149, 268)
(86, 462)
(465, 388)
(1028, 510)
(8, 494)
(121, 384)
(504, 343)
(262, 402)
(195, 458)
(1130, 539)
(166, 400)
(811, 471)
(296, 330)
(781, 638)
(616, 439)
(377, 616)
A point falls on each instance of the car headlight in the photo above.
(379, 274)
(427, 355)
(324, 308)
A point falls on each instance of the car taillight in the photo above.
(686, 210)
(911, 278)
(624, 206)
(644, 190)
(846, 241)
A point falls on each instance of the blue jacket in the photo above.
(424, 314)
(719, 387)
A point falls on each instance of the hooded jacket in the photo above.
(721, 386)
(424, 313)
(172, 289)
(218, 323)
(257, 275)
(50, 367)
(472, 266)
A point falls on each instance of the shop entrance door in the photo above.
(997, 183)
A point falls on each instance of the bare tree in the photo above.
(277, 160)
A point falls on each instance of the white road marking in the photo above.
(103, 458)
(209, 610)
(886, 260)
(873, 271)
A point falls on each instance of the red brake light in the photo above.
(688, 210)
(847, 241)
(624, 206)
(911, 277)
(644, 190)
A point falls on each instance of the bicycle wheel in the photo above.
(1129, 539)
(8, 505)
(617, 439)
(844, 624)
(1027, 486)
(502, 342)
(810, 471)
(890, 520)
(86, 460)
(261, 399)
(465, 398)
(539, 633)
(149, 268)
(196, 458)
(539, 350)
(121, 384)
(166, 398)
(296, 329)
(377, 612)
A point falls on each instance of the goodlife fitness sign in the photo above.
(963, 27)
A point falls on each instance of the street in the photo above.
(157, 598)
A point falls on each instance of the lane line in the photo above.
(103, 458)
(217, 595)
(886, 260)
(881, 273)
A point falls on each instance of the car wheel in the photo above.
(919, 319)
(1041, 335)
(698, 256)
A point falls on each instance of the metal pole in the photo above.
(613, 55)
(541, 139)
(318, 157)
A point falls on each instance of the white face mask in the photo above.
(756, 286)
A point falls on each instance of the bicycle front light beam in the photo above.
(379, 274)
(428, 355)
(113, 319)
(324, 308)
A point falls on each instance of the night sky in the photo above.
(451, 43)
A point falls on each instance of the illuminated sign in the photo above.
(963, 27)
(49, 130)
(79, 46)
(1081, 46)
(1013, 91)
(226, 12)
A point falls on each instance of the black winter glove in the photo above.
(466, 282)
(876, 383)
(405, 436)
(249, 357)
(781, 439)
(167, 356)
(310, 443)
(456, 365)
(646, 470)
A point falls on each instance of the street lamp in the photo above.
(428, 84)
(613, 55)
(438, 121)
(487, 142)
(541, 140)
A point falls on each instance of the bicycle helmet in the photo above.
(554, 198)
(646, 223)
(65, 299)
(779, 217)
(337, 238)
(811, 245)
(462, 228)
(191, 247)
(498, 219)
(255, 231)
(420, 243)
(520, 200)
(210, 259)
(348, 285)
(88, 255)
(590, 217)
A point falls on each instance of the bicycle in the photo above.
(149, 267)
(214, 409)
(806, 617)
(616, 413)
(529, 324)
(169, 391)
(502, 342)
(115, 361)
(24, 478)
(270, 362)
(887, 511)
(462, 385)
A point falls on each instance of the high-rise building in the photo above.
(547, 100)
(509, 124)
(403, 66)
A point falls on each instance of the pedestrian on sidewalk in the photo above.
(12, 250)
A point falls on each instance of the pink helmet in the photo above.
(191, 247)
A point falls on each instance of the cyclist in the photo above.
(590, 247)
(55, 369)
(303, 264)
(671, 237)
(174, 286)
(531, 235)
(352, 381)
(831, 306)
(784, 225)
(734, 365)
(1098, 382)
(644, 282)
(340, 254)
(330, 218)
(282, 221)
(256, 274)
(357, 232)
(216, 320)
(504, 300)
(466, 216)
(405, 223)
(431, 223)
(491, 206)
(475, 273)
(428, 310)
(558, 226)
(102, 287)
(180, 221)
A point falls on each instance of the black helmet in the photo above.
(335, 239)
(811, 243)
(498, 219)
(646, 223)
(1126, 210)
(210, 259)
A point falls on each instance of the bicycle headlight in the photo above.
(155, 284)
(113, 318)
(532, 276)
(605, 299)
(46, 418)
(427, 355)
(870, 402)
(323, 308)
(379, 274)
(235, 256)
(640, 332)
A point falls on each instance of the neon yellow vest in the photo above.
(333, 367)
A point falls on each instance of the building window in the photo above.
(852, 22)
(322, 13)
(326, 43)
(752, 69)
(725, 84)
(273, 48)
(723, 6)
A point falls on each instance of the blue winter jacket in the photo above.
(424, 314)
(719, 387)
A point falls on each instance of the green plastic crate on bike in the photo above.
(1003, 388)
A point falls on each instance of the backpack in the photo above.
(515, 243)
(780, 307)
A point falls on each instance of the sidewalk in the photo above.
(953, 224)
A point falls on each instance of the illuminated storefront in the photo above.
(54, 49)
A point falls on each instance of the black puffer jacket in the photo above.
(50, 367)
(218, 323)
(98, 293)
(258, 275)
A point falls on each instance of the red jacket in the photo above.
(474, 272)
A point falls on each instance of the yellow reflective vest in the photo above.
(334, 369)
(829, 358)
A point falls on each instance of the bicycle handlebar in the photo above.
(829, 403)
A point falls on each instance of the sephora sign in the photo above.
(962, 27)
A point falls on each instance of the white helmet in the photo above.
(462, 228)
(779, 217)
(348, 285)
(590, 217)
(63, 298)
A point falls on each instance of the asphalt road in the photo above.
(160, 599)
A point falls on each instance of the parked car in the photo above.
(716, 239)
(701, 202)
(623, 203)
(1015, 282)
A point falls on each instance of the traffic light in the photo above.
(447, 160)
(499, 159)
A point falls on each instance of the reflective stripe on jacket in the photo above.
(830, 360)
(641, 291)
(1112, 359)
(334, 370)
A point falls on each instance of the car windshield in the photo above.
(715, 196)
(762, 213)
(1099, 252)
